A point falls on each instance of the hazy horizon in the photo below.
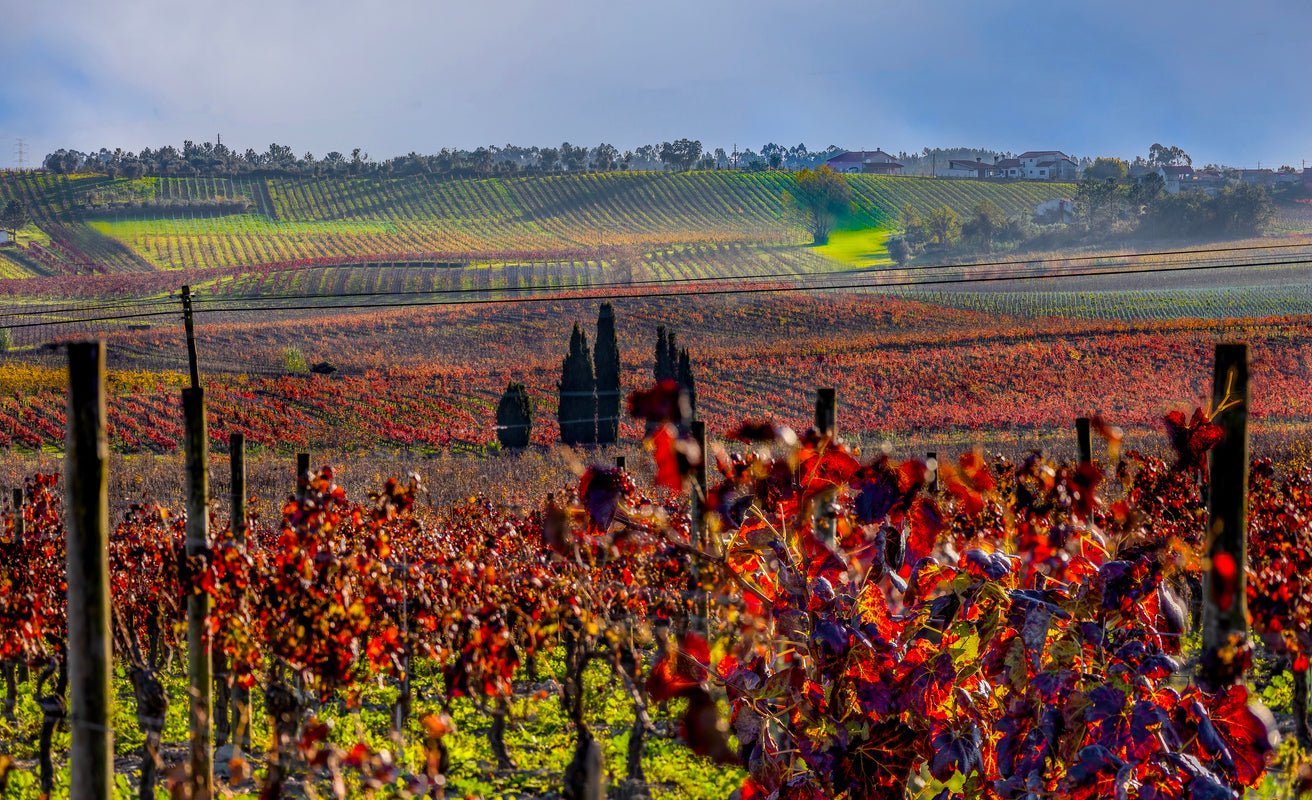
(331, 75)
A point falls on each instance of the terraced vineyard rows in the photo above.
(356, 218)
(1134, 305)
(694, 261)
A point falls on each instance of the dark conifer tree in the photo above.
(664, 367)
(671, 357)
(686, 382)
(606, 357)
(514, 417)
(577, 411)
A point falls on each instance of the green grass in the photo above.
(861, 247)
(539, 739)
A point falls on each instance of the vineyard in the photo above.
(423, 381)
(125, 225)
(782, 596)
(775, 613)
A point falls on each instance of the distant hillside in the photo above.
(120, 225)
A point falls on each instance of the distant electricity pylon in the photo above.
(20, 152)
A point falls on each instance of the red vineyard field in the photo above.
(436, 387)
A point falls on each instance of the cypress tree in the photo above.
(606, 358)
(514, 417)
(671, 358)
(577, 411)
(664, 369)
(686, 382)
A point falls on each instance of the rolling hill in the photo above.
(97, 224)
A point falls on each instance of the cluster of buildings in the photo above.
(1054, 165)
(1177, 178)
(1032, 165)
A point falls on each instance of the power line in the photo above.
(1011, 276)
(1129, 257)
(773, 286)
(772, 280)
(1122, 258)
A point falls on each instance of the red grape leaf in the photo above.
(1248, 731)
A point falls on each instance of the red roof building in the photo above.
(865, 161)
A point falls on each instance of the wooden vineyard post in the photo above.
(238, 521)
(237, 496)
(86, 457)
(932, 458)
(823, 518)
(20, 524)
(1084, 440)
(826, 410)
(1225, 608)
(199, 675)
(190, 327)
(697, 533)
(302, 474)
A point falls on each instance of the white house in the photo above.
(1175, 178)
(868, 161)
(965, 168)
(1046, 165)
(1009, 168)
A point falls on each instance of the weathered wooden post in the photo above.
(190, 327)
(931, 459)
(1084, 440)
(1225, 608)
(698, 512)
(20, 524)
(302, 474)
(826, 410)
(86, 457)
(238, 515)
(239, 521)
(196, 439)
(826, 424)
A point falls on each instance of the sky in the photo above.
(1227, 82)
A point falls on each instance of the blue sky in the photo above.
(1225, 81)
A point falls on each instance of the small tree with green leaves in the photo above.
(12, 217)
(514, 417)
(1107, 167)
(899, 250)
(819, 200)
(293, 360)
(986, 221)
(914, 231)
(943, 226)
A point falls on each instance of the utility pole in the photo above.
(20, 151)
